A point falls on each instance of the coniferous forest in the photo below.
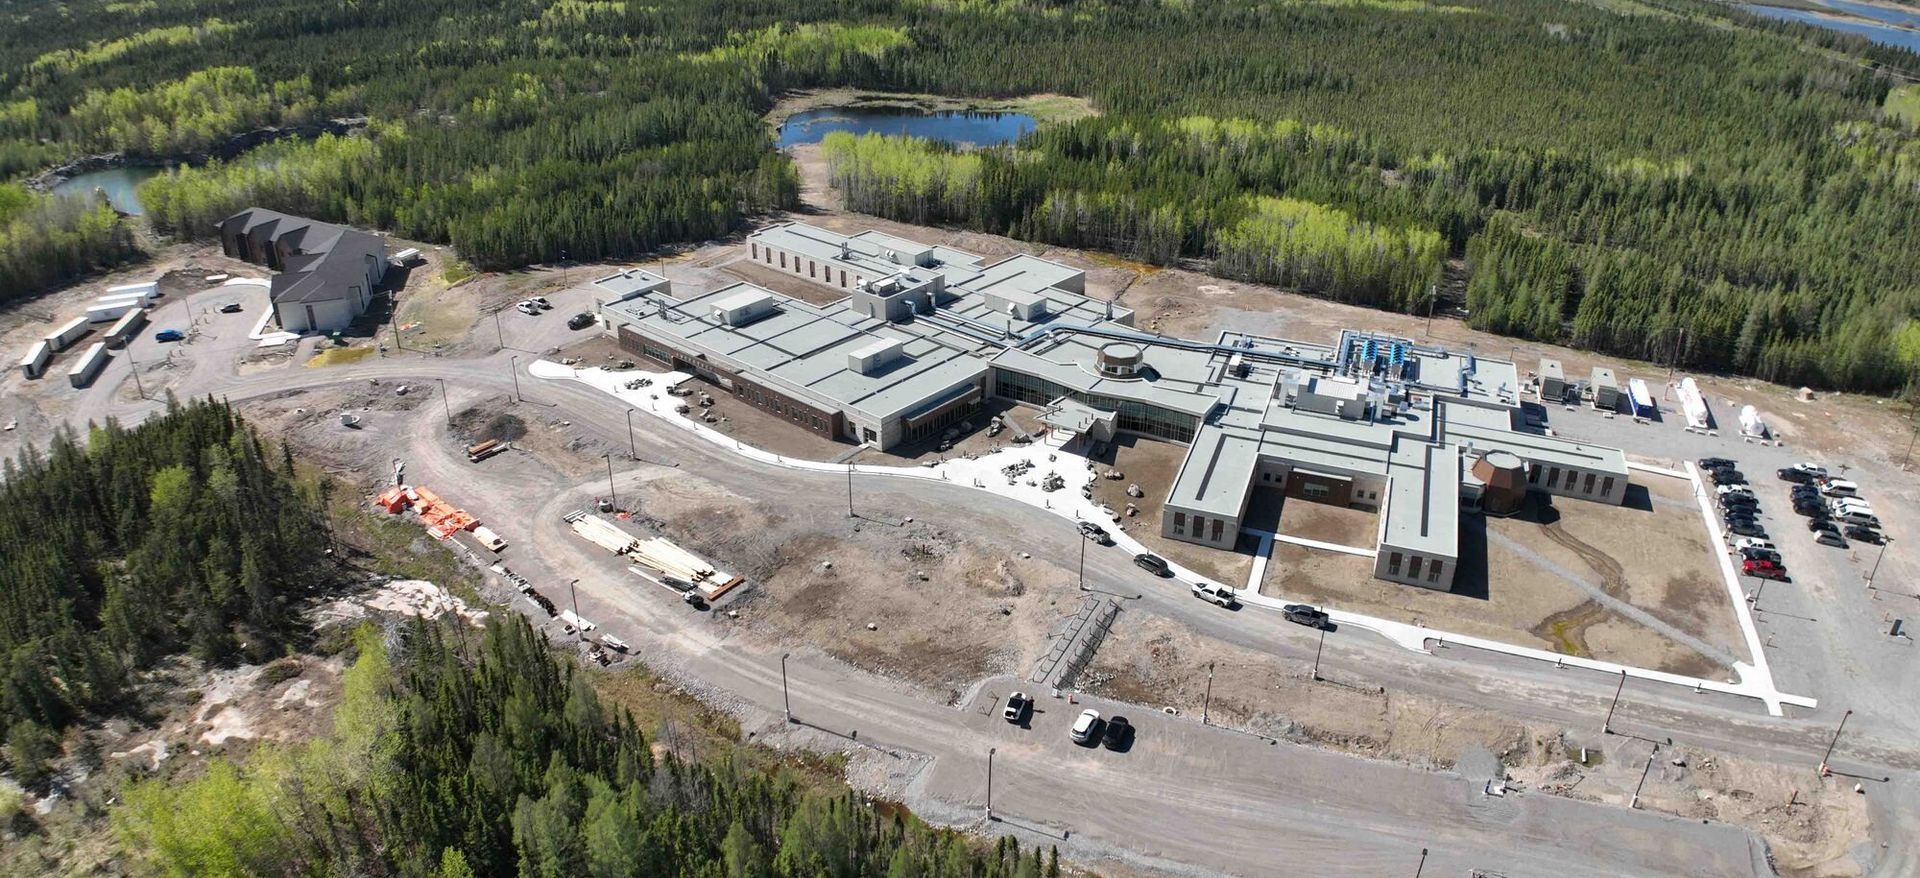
(458, 753)
(1665, 179)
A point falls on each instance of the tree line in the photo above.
(458, 753)
(187, 533)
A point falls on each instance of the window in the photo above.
(1533, 474)
(754, 249)
(1433, 570)
(843, 278)
(1589, 485)
(1606, 487)
(1199, 527)
(1413, 567)
(783, 260)
(1216, 529)
(1314, 491)
(1393, 564)
(811, 266)
(1179, 522)
(1553, 478)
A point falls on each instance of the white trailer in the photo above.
(64, 337)
(111, 311)
(148, 290)
(1694, 404)
(124, 328)
(84, 371)
(34, 364)
(135, 298)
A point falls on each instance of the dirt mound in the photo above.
(481, 423)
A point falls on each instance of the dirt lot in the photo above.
(977, 609)
(1157, 663)
(1329, 524)
(1152, 464)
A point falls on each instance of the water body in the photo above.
(118, 183)
(957, 127)
(1877, 13)
(1884, 34)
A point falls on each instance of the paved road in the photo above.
(1216, 799)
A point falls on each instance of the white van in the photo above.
(1840, 488)
(1858, 515)
(1846, 505)
(1218, 594)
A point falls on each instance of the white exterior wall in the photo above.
(1568, 481)
(1384, 566)
(326, 316)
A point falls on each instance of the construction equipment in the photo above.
(480, 451)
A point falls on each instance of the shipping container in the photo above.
(64, 337)
(104, 313)
(149, 290)
(123, 329)
(1641, 398)
(34, 364)
(84, 371)
(142, 301)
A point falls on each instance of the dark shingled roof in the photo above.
(322, 260)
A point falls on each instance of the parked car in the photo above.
(1764, 569)
(1810, 470)
(1304, 614)
(1760, 555)
(1821, 525)
(1839, 488)
(1087, 728)
(230, 308)
(1119, 733)
(1830, 538)
(1729, 477)
(1218, 594)
(541, 303)
(1751, 543)
(1711, 463)
(1811, 510)
(1724, 490)
(527, 308)
(1738, 501)
(1747, 527)
(581, 320)
(1153, 564)
(1790, 474)
(1865, 534)
(1018, 705)
(169, 335)
(1095, 533)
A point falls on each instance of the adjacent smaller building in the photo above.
(327, 273)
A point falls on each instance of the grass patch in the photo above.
(676, 720)
(338, 357)
(1111, 260)
(457, 271)
(1903, 104)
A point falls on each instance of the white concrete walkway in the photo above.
(984, 472)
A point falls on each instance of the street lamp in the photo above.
(612, 497)
(1635, 803)
(573, 597)
(633, 450)
(513, 370)
(1207, 704)
(136, 372)
(786, 701)
(445, 403)
(1083, 562)
(1836, 739)
(1316, 653)
(1884, 540)
(496, 327)
(1606, 726)
(990, 752)
(1423, 864)
(850, 489)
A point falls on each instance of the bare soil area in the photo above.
(1152, 464)
(1157, 663)
(1339, 525)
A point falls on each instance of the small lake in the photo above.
(119, 184)
(957, 127)
(1889, 34)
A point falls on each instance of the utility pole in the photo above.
(1836, 739)
(1606, 726)
(513, 370)
(1207, 705)
(496, 327)
(612, 497)
(1316, 654)
(850, 489)
(136, 372)
(445, 403)
(1083, 562)
(786, 702)
(632, 449)
(990, 751)
(1433, 294)
(1884, 540)
(1423, 864)
(563, 268)
(573, 597)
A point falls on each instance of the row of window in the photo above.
(1413, 568)
(813, 267)
(1199, 526)
(1573, 477)
(779, 405)
(1130, 415)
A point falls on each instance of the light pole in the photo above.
(445, 403)
(1606, 726)
(1884, 540)
(1083, 562)
(1423, 864)
(496, 327)
(849, 489)
(1206, 705)
(1836, 739)
(136, 372)
(1433, 294)
(513, 370)
(633, 450)
(612, 497)
(990, 751)
(1316, 654)
(573, 597)
(786, 701)
(1635, 803)
(563, 268)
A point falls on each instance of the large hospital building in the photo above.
(924, 334)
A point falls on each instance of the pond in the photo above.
(958, 127)
(118, 183)
(1889, 34)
